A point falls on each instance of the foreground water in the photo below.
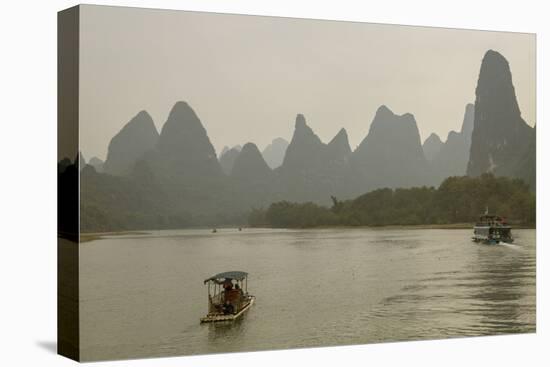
(143, 295)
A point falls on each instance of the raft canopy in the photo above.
(222, 277)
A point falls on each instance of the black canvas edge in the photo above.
(68, 313)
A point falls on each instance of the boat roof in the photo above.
(237, 275)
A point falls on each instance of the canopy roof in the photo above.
(237, 275)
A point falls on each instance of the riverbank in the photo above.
(87, 237)
(92, 236)
(403, 226)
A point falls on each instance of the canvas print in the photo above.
(234, 183)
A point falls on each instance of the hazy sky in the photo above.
(248, 76)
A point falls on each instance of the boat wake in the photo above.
(514, 246)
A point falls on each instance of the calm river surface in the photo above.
(143, 295)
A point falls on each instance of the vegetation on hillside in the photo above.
(457, 200)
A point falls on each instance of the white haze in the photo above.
(248, 76)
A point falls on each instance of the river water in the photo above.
(143, 295)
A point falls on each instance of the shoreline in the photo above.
(91, 236)
(417, 226)
(399, 226)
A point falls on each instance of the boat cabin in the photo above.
(492, 229)
(491, 220)
(228, 296)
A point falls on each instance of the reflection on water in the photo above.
(219, 332)
(143, 295)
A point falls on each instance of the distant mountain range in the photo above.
(174, 178)
(451, 157)
(274, 153)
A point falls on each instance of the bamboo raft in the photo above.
(229, 317)
(228, 297)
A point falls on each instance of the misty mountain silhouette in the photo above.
(452, 158)
(251, 179)
(96, 163)
(391, 155)
(227, 159)
(274, 153)
(526, 168)
(184, 146)
(313, 170)
(225, 149)
(339, 148)
(175, 179)
(185, 165)
(129, 145)
(431, 147)
(305, 148)
(250, 165)
(500, 137)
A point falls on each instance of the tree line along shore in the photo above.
(457, 201)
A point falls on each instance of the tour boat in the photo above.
(228, 297)
(492, 229)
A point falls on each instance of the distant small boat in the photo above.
(228, 297)
(492, 229)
